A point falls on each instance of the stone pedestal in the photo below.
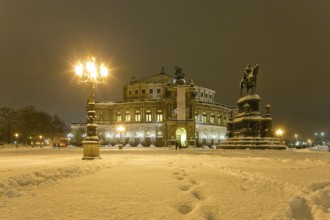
(91, 150)
(248, 129)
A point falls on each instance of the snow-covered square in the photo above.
(153, 183)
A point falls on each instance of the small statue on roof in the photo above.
(179, 74)
(162, 71)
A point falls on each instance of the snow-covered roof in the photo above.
(159, 78)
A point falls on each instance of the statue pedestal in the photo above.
(248, 129)
(91, 150)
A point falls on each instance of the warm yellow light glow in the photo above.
(279, 132)
(90, 72)
(79, 69)
(90, 67)
(104, 70)
(93, 75)
(120, 128)
(16, 135)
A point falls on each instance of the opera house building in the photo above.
(159, 110)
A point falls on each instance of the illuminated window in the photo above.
(128, 116)
(159, 116)
(118, 117)
(212, 118)
(137, 116)
(148, 116)
(204, 117)
(196, 117)
(159, 133)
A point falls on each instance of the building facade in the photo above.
(161, 109)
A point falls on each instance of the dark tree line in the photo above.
(28, 123)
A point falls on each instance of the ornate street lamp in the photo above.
(92, 74)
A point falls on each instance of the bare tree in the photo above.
(7, 124)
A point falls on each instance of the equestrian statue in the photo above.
(249, 80)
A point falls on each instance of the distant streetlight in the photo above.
(120, 129)
(92, 74)
(40, 140)
(297, 141)
(309, 141)
(16, 136)
(279, 134)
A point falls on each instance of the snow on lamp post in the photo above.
(92, 74)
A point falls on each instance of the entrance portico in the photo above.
(181, 136)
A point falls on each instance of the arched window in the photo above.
(219, 119)
(127, 116)
(137, 116)
(159, 133)
(148, 116)
(204, 117)
(118, 117)
(212, 118)
(196, 117)
(159, 116)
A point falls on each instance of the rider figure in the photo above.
(247, 71)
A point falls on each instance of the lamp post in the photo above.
(120, 129)
(92, 74)
(16, 136)
(279, 133)
(40, 140)
(296, 138)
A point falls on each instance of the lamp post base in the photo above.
(91, 150)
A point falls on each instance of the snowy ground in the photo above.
(164, 184)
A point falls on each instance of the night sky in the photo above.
(213, 41)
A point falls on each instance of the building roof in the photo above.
(159, 78)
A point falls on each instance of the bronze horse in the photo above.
(249, 80)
